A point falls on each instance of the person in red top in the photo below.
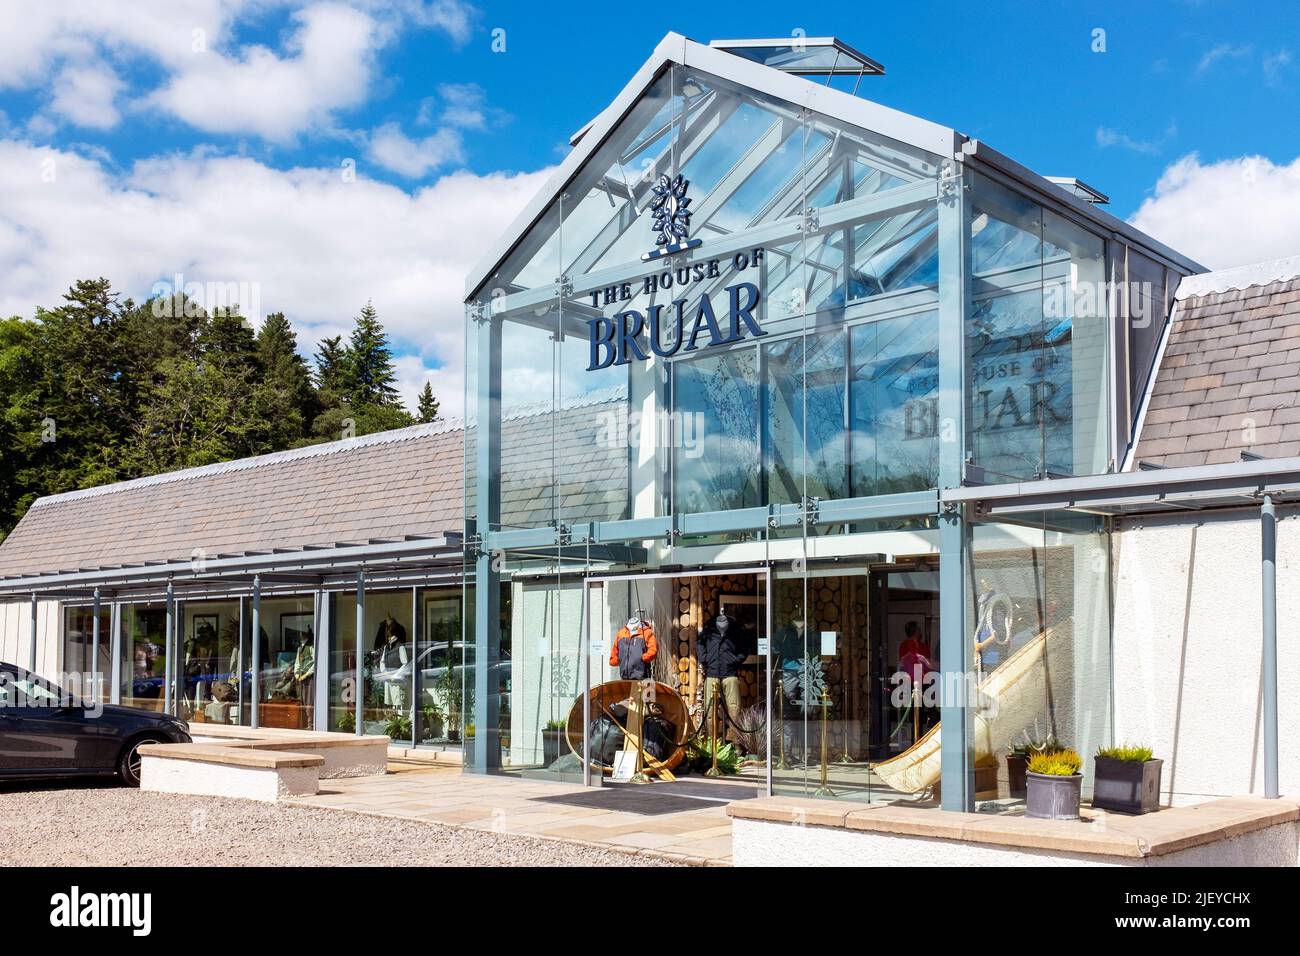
(914, 654)
(914, 660)
(634, 648)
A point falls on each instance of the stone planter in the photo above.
(1051, 797)
(1126, 786)
(1017, 764)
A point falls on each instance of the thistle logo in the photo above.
(672, 222)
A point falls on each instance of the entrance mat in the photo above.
(651, 799)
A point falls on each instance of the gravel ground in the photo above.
(109, 825)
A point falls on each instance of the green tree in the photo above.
(330, 365)
(427, 409)
(78, 405)
(18, 342)
(289, 393)
(357, 383)
(370, 377)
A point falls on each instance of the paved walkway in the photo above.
(504, 805)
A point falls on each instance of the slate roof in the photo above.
(1229, 376)
(382, 486)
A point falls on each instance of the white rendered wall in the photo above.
(16, 636)
(1187, 650)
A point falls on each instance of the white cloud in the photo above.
(325, 64)
(464, 106)
(453, 17)
(330, 67)
(394, 150)
(1228, 213)
(1221, 53)
(316, 246)
(85, 95)
(1107, 137)
(1275, 66)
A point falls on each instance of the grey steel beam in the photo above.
(1133, 490)
(486, 751)
(1268, 574)
(341, 558)
(94, 649)
(31, 651)
(255, 640)
(115, 653)
(957, 763)
(358, 708)
(170, 642)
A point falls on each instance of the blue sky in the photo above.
(205, 138)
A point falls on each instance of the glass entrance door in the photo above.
(710, 648)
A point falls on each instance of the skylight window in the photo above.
(804, 56)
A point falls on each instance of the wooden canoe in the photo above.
(673, 708)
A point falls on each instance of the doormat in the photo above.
(653, 799)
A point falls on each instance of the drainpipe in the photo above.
(1268, 528)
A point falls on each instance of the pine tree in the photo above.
(371, 379)
(292, 400)
(427, 409)
(331, 363)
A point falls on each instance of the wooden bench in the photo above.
(344, 755)
(216, 770)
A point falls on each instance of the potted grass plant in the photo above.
(1053, 783)
(1126, 779)
(552, 741)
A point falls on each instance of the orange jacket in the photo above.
(647, 634)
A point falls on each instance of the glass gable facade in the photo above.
(724, 374)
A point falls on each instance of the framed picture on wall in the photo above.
(206, 626)
(293, 625)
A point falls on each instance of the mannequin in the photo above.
(391, 658)
(635, 647)
(722, 647)
(388, 628)
(304, 670)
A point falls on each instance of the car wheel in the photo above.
(128, 763)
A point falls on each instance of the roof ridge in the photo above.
(322, 449)
(1237, 278)
(543, 406)
(410, 433)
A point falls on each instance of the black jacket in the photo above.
(722, 654)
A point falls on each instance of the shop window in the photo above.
(79, 661)
(143, 656)
(214, 676)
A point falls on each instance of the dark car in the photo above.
(47, 732)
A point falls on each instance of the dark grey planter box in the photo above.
(552, 744)
(1017, 764)
(1126, 786)
(1051, 797)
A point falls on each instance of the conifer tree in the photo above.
(427, 409)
